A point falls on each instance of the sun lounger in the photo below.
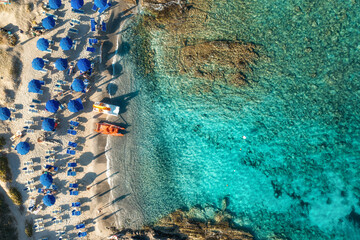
(75, 21)
(75, 204)
(80, 226)
(29, 171)
(73, 185)
(71, 152)
(82, 234)
(31, 204)
(30, 130)
(92, 41)
(38, 220)
(58, 90)
(73, 30)
(60, 232)
(40, 229)
(71, 173)
(92, 24)
(28, 182)
(101, 10)
(75, 213)
(52, 151)
(61, 82)
(57, 210)
(94, 8)
(29, 122)
(50, 160)
(91, 49)
(103, 26)
(77, 11)
(31, 189)
(57, 221)
(51, 15)
(74, 192)
(36, 101)
(71, 132)
(33, 110)
(72, 164)
(37, 210)
(74, 123)
(72, 144)
(29, 163)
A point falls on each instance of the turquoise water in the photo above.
(283, 149)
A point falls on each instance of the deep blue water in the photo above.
(284, 149)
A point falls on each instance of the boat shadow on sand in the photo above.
(121, 101)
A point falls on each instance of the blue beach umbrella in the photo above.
(54, 4)
(75, 105)
(38, 63)
(42, 44)
(66, 43)
(48, 22)
(49, 200)
(22, 148)
(48, 124)
(52, 106)
(46, 180)
(84, 64)
(34, 86)
(4, 113)
(77, 4)
(78, 85)
(100, 3)
(61, 64)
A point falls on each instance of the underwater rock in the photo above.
(180, 225)
(215, 60)
(188, 52)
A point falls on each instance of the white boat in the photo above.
(106, 108)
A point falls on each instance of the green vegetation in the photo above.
(7, 225)
(5, 172)
(2, 142)
(15, 196)
(29, 229)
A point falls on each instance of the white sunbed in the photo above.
(30, 130)
(29, 122)
(31, 189)
(39, 220)
(37, 210)
(31, 181)
(49, 152)
(29, 171)
(50, 160)
(40, 229)
(29, 163)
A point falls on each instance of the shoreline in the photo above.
(94, 166)
(104, 162)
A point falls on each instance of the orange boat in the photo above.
(109, 129)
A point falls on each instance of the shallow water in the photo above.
(283, 149)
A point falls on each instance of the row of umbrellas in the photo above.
(76, 4)
(43, 44)
(77, 85)
(61, 64)
(74, 105)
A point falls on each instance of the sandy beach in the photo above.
(91, 173)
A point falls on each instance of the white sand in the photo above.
(90, 157)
